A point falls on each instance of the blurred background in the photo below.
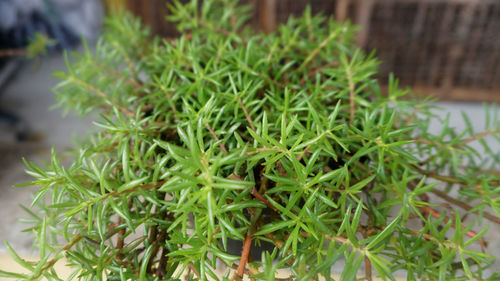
(446, 48)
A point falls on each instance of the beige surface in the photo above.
(8, 264)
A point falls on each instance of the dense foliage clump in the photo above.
(283, 138)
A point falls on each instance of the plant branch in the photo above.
(459, 145)
(126, 57)
(447, 178)
(318, 48)
(53, 261)
(262, 199)
(351, 94)
(478, 136)
(299, 157)
(221, 145)
(244, 255)
(464, 205)
(116, 75)
(247, 115)
(247, 245)
(368, 269)
(437, 215)
(102, 95)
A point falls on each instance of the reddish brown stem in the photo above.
(53, 261)
(255, 193)
(102, 95)
(303, 152)
(448, 179)
(368, 269)
(479, 136)
(117, 75)
(247, 115)
(222, 147)
(262, 199)
(244, 255)
(436, 214)
(465, 206)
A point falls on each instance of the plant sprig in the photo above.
(286, 138)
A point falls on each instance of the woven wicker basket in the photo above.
(449, 48)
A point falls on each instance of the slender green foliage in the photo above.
(284, 138)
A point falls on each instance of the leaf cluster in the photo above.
(286, 138)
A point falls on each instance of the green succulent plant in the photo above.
(225, 134)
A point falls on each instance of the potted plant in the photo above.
(285, 138)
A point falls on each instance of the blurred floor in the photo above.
(29, 96)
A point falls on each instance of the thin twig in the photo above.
(221, 145)
(53, 261)
(459, 145)
(464, 205)
(261, 198)
(303, 152)
(413, 114)
(368, 269)
(126, 57)
(339, 239)
(479, 136)
(447, 178)
(117, 75)
(244, 255)
(316, 51)
(260, 149)
(102, 95)
(351, 94)
(437, 215)
(247, 115)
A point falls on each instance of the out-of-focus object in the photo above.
(448, 48)
(37, 46)
(113, 5)
(153, 13)
(29, 28)
(66, 21)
